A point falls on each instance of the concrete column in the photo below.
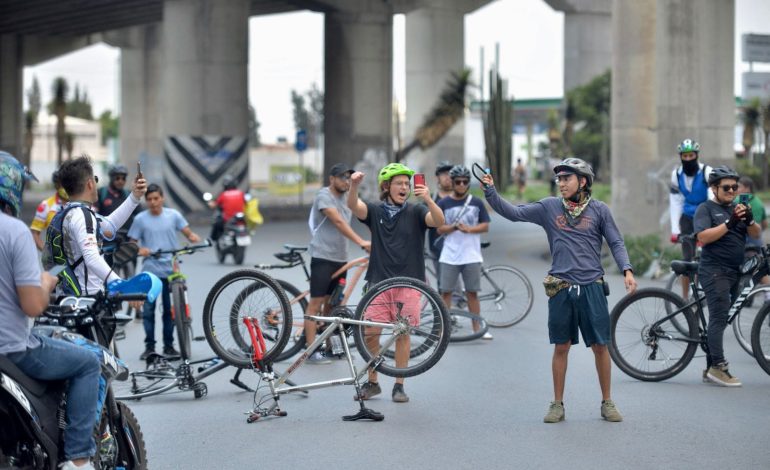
(204, 68)
(435, 35)
(11, 93)
(668, 84)
(140, 98)
(358, 79)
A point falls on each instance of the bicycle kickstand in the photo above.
(364, 412)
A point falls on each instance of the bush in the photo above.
(645, 249)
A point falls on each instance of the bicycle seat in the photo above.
(290, 257)
(295, 248)
(684, 267)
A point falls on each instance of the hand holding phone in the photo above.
(139, 174)
(419, 178)
(743, 199)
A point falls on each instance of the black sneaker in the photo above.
(399, 396)
(146, 353)
(368, 390)
(170, 351)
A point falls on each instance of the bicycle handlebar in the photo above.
(185, 250)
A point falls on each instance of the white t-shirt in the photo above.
(462, 248)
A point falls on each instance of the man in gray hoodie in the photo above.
(575, 225)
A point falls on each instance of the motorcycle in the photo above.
(32, 412)
(235, 236)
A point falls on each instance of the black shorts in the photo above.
(321, 270)
(688, 245)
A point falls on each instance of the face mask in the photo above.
(690, 167)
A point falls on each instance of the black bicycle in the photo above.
(647, 343)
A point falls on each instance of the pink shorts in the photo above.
(383, 307)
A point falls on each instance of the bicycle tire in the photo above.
(181, 321)
(744, 319)
(297, 336)
(241, 293)
(630, 323)
(506, 296)
(760, 338)
(461, 326)
(145, 383)
(431, 328)
(674, 284)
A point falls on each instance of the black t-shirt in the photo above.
(397, 244)
(728, 250)
(433, 234)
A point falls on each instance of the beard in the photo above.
(690, 167)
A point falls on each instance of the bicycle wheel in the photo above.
(506, 296)
(744, 319)
(158, 378)
(181, 313)
(674, 284)
(240, 294)
(418, 318)
(461, 326)
(647, 353)
(298, 308)
(760, 338)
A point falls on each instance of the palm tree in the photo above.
(766, 130)
(60, 90)
(750, 123)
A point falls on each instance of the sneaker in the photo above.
(399, 396)
(318, 358)
(170, 351)
(368, 390)
(146, 353)
(706, 379)
(487, 336)
(721, 376)
(555, 412)
(68, 465)
(610, 412)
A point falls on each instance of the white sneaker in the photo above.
(68, 465)
(487, 336)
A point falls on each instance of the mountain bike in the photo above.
(760, 337)
(506, 294)
(645, 342)
(406, 301)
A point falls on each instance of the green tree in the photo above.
(300, 112)
(591, 120)
(315, 97)
(59, 108)
(750, 116)
(110, 126)
(254, 140)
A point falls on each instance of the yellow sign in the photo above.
(285, 180)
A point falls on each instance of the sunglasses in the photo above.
(461, 182)
(729, 187)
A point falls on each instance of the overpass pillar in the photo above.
(358, 80)
(435, 47)
(204, 97)
(11, 93)
(587, 39)
(669, 82)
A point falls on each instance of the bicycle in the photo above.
(506, 295)
(461, 322)
(400, 294)
(648, 346)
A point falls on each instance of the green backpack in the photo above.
(54, 253)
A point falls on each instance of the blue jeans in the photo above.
(148, 314)
(59, 360)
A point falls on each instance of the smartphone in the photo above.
(743, 199)
(419, 178)
(139, 174)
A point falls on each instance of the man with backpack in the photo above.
(74, 236)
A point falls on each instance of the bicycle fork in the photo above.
(265, 370)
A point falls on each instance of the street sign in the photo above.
(300, 143)
(756, 85)
(755, 47)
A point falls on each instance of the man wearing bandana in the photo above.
(575, 225)
(689, 188)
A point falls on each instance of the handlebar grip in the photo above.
(128, 297)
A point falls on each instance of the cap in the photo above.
(340, 169)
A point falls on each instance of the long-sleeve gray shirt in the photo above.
(576, 250)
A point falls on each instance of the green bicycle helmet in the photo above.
(393, 169)
(688, 145)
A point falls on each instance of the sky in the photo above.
(292, 57)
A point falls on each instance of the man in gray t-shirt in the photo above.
(329, 223)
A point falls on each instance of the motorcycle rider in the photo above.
(231, 201)
(24, 292)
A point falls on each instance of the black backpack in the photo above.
(54, 253)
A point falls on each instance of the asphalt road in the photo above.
(481, 407)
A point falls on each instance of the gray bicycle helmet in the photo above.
(459, 171)
(688, 145)
(443, 166)
(575, 166)
(721, 172)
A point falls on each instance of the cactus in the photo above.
(498, 125)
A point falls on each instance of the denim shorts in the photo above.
(582, 307)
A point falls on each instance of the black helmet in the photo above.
(459, 171)
(721, 172)
(228, 181)
(575, 166)
(443, 166)
(118, 170)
